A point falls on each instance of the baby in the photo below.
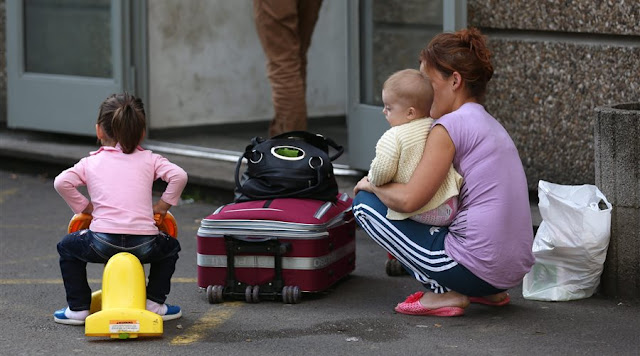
(407, 96)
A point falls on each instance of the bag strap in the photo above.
(317, 140)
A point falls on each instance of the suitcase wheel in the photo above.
(252, 294)
(291, 294)
(214, 294)
(393, 268)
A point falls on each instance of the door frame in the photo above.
(71, 101)
(365, 122)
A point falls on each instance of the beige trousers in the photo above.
(285, 28)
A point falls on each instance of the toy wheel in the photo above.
(285, 294)
(248, 296)
(214, 294)
(393, 267)
(255, 294)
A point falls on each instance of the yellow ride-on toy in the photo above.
(119, 309)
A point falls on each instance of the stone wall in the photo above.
(3, 65)
(554, 63)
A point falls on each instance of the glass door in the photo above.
(386, 36)
(64, 57)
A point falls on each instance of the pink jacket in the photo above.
(120, 188)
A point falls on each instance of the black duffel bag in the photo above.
(293, 164)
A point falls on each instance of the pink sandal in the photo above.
(412, 306)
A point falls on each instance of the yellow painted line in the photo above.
(44, 227)
(183, 280)
(47, 257)
(212, 319)
(7, 193)
(38, 281)
(59, 281)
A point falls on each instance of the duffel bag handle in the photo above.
(317, 140)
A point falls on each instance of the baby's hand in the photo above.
(363, 184)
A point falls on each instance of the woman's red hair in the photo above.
(465, 52)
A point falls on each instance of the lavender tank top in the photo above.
(492, 234)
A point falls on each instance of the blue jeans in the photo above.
(419, 247)
(85, 246)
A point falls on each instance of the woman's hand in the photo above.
(160, 209)
(363, 184)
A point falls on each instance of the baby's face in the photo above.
(394, 110)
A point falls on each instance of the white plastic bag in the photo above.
(571, 243)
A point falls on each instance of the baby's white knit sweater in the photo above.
(398, 152)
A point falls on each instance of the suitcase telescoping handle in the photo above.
(266, 245)
(253, 238)
(272, 289)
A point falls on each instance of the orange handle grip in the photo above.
(168, 225)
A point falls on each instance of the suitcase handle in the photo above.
(271, 247)
(253, 238)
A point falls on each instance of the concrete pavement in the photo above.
(355, 317)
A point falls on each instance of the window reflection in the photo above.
(391, 39)
(69, 37)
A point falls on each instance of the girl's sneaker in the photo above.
(173, 312)
(166, 311)
(70, 318)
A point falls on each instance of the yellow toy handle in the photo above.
(168, 225)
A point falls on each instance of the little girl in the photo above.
(119, 178)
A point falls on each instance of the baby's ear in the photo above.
(412, 113)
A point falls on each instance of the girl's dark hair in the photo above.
(465, 52)
(122, 118)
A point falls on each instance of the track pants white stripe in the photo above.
(420, 260)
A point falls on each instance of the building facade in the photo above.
(555, 61)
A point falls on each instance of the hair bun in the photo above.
(476, 42)
(466, 34)
(472, 38)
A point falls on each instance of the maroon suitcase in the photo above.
(275, 249)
